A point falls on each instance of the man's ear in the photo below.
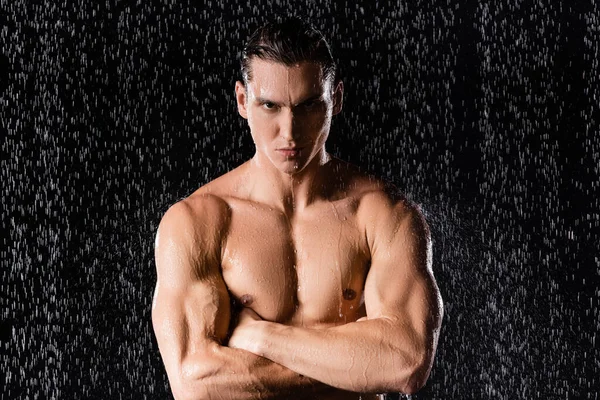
(338, 97)
(241, 97)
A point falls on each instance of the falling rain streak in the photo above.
(485, 113)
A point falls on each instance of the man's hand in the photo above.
(243, 335)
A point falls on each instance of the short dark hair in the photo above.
(288, 41)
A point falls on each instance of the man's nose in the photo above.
(288, 126)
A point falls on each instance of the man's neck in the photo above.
(291, 193)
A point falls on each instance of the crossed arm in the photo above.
(391, 349)
(191, 314)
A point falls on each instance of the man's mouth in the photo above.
(290, 151)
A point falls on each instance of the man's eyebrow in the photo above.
(264, 100)
(311, 98)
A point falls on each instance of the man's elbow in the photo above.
(188, 388)
(416, 377)
(191, 381)
(414, 383)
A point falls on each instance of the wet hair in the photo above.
(288, 41)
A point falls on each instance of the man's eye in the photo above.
(311, 104)
(269, 106)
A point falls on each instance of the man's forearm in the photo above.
(226, 373)
(368, 356)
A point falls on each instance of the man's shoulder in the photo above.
(387, 216)
(199, 216)
(198, 205)
(189, 239)
(371, 194)
(385, 197)
(378, 199)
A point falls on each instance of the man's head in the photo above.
(288, 42)
(289, 94)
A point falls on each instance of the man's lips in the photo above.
(290, 151)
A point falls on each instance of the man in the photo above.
(294, 275)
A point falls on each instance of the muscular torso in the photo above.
(305, 270)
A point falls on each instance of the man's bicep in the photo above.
(400, 284)
(191, 309)
(187, 323)
(401, 291)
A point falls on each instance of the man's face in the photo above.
(289, 110)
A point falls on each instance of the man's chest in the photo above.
(304, 271)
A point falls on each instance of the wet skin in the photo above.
(303, 272)
(284, 238)
(308, 270)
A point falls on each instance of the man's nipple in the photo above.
(246, 300)
(349, 294)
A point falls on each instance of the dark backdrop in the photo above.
(484, 112)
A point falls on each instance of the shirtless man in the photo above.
(294, 275)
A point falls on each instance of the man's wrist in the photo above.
(260, 336)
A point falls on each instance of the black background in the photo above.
(485, 113)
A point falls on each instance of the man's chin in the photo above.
(292, 168)
(291, 171)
